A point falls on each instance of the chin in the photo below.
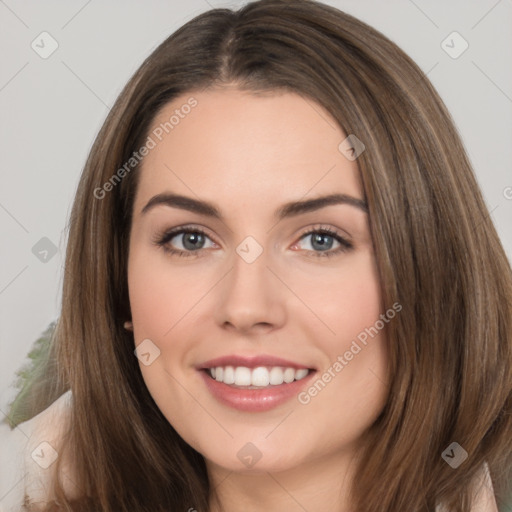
(263, 461)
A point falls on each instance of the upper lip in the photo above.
(251, 362)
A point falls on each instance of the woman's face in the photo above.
(270, 286)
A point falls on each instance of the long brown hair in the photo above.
(437, 253)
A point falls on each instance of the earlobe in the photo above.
(128, 325)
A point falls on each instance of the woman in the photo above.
(279, 220)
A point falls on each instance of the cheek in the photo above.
(359, 299)
(164, 301)
(345, 301)
(160, 298)
(353, 341)
(160, 294)
(361, 334)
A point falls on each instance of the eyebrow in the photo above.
(290, 209)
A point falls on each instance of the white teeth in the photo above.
(276, 376)
(242, 376)
(229, 375)
(257, 377)
(289, 375)
(260, 377)
(300, 374)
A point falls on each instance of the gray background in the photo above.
(51, 110)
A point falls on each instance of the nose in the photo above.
(251, 300)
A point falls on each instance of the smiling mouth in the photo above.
(242, 377)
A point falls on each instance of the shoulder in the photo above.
(483, 493)
(34, 447)
(483, 490)
(12, 446)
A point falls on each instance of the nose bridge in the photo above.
(250, 293)
(249, 269)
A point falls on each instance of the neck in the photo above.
(315, 486)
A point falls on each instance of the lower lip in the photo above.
(254, 400)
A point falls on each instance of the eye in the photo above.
(184, 241)
(322, 241)
(190, 241)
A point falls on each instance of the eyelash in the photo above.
(163, 239)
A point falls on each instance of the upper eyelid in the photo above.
(180, 230)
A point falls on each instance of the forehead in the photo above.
(237, 148)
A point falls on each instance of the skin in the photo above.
(249, 154)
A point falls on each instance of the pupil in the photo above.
(320, 239)
(192, 240)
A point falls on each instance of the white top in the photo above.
(27, 454)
